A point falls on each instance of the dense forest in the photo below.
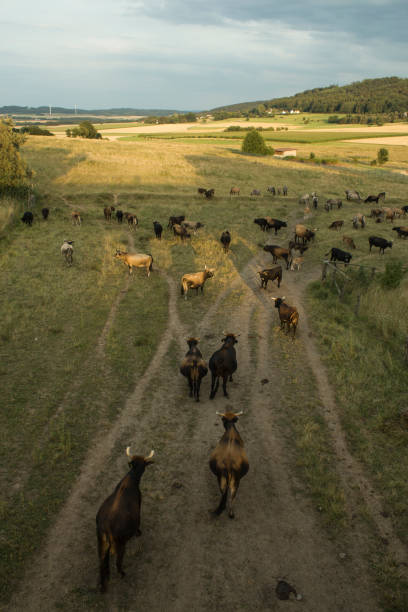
(371, 96)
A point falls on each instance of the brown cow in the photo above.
(118, 518)
(107, 211)
(193, 367)
(234, 191)
(76, 218)
(336, 225)
(302, 233)
(195, 280)
(349, 242)
(270, 274)
(278, 252)
(180, 232)
(288, 315)
(135, 260)
(229, 461)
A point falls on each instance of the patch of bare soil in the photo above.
(186, 559)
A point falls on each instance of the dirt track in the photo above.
(186, 559)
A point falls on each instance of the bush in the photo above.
(254, 144)
(393, 275)
(35, 130)
(84, 130)
(382, 156)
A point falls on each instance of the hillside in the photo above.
(60, 110)
(385, 95)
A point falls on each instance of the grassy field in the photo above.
(60, 393)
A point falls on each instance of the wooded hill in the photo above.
(385, 95)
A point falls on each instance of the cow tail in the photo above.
(182, 289)
(151, 262)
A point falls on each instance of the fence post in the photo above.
(324, 270)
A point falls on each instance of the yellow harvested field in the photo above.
(185, 127)
(390, 140)
(390, 127)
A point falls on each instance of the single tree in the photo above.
(13, 169)
(254, 144)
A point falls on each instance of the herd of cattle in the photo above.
(118, 518)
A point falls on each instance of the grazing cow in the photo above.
(381, 196)
(359, 219)
(271, 190)
(135, 260)
(193, 367)
(107, 211)
(376, 213)
(45, 212)
(372, 198)
(381, 243)
(303, 234)
(288, 315)
(336, 225)
(234, 191)
(262, 222)
(175, 220)
(195, 280)
(118, 518)
(67, 251)
(255, 192)
(315, 202)
(225, 240)
(209, 193)
(285, 190)
(201, 190)
(352, 195)
(223, 364)
(180, 232)
(339, 255)
(332, 202)
(278, 252)
(158, 228)
(296, 263)
(388, 213)
(275, 224)
(349, 242)
(119, 216)
(192, 225)
(133, 221)
(270, 274)
(229, 461)
(401, 231)
(398, 212)
(27, 218)
(295, 246)
(76, 218)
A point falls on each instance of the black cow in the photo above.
(27, 218)
(223, 363)
(158, 228)
(270, 274)
(381, 243)
(209, 193)
(372, 198)
(339, 255)
(271, 190)
(45, 212)
(275, 224)
(262, 222)
(225, 240)
(119, 216)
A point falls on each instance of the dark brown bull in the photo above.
(193, 367)
(270, 274)
(336, 225)
(229, 462)
(278, 252)
(225, 240)
(174, 220)
(288, 315)
(118, 518)
(223, 364)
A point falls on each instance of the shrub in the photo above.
(393, 275)
(85, 130)
(254, 144)
(35, 130)
(382, 156)
(13, 170)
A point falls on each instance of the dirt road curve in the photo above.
(186, 559)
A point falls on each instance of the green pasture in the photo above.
(58, 394)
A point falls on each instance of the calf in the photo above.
(195, 280)
(275, 224)
(349, 242)
(158, 228)
(107, 211)
(229, 461)
(175, 220)
(381, 243)
(225, 240)
(193, 367)
(119, 216)
(278, 252)
(118, 518)
(67, 251)
(288, 315)
(297, 263)
(270, 274)
(76, 218)
(223, 364)
(28, 218)
(336, 225)
(135, 260)
(45, 212)
(339, 255)
(401, 231)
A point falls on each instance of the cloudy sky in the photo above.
(192, 54)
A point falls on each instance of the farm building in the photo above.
(285, 152)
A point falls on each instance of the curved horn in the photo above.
(274, 299)
(283, 298)
(150, 455)
(128, 451)
(219, 413)
(239, 413)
